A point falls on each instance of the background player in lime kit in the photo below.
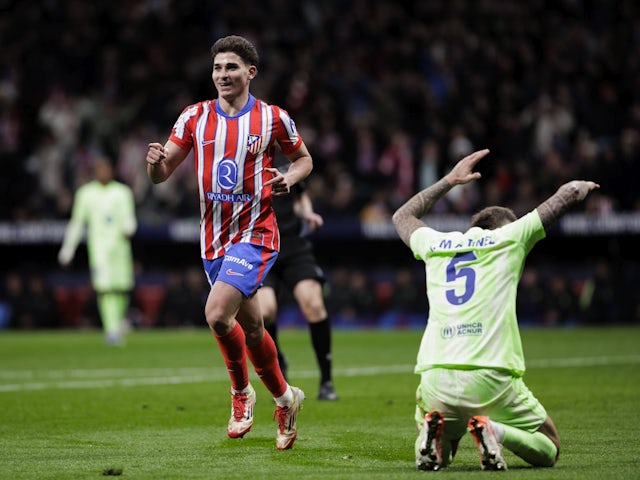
(106, 207)
(234, 139)
(470, 360)
(297, 270)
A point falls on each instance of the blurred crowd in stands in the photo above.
(356, 297)
(387, 95)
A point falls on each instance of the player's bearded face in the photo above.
(231, 76)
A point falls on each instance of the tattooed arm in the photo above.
(566, 197)
(407, 218)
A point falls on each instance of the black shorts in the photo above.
(295, 262)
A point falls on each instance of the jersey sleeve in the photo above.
(76, 226)
(129, 221)
(527, 230)
(286, 134)
(181, 133)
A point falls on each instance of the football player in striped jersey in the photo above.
(234, 139)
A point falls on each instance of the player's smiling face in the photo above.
(231, 75)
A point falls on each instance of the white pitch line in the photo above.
(99, 378)
(583, 361)
(102, 372)
(156, 376)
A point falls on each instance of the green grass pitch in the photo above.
(72, 408)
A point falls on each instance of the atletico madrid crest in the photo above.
(254, 142)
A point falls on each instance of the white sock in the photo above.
(246, 390)
(498, 429)
(286, 398)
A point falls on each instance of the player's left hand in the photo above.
(65, 256)
(314, 221)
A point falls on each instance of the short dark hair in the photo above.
(491, 218)
(238, 45)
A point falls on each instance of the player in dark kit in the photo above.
(297, 270)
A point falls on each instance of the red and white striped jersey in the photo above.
(230, 155)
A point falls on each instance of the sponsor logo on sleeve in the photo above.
(294, 132)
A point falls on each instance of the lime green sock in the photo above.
(535, 448)
(113, 307)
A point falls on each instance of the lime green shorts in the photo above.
(461, 394)
(113, 270)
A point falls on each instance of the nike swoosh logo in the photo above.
(207, 142)
(232, 273)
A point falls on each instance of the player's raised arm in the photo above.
(408, 217)
(566, 197)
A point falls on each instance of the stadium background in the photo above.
(387, 95)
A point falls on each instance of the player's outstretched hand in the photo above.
(579, 189)
(463, 172)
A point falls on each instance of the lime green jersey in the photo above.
(472, 282)
(108, 214)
